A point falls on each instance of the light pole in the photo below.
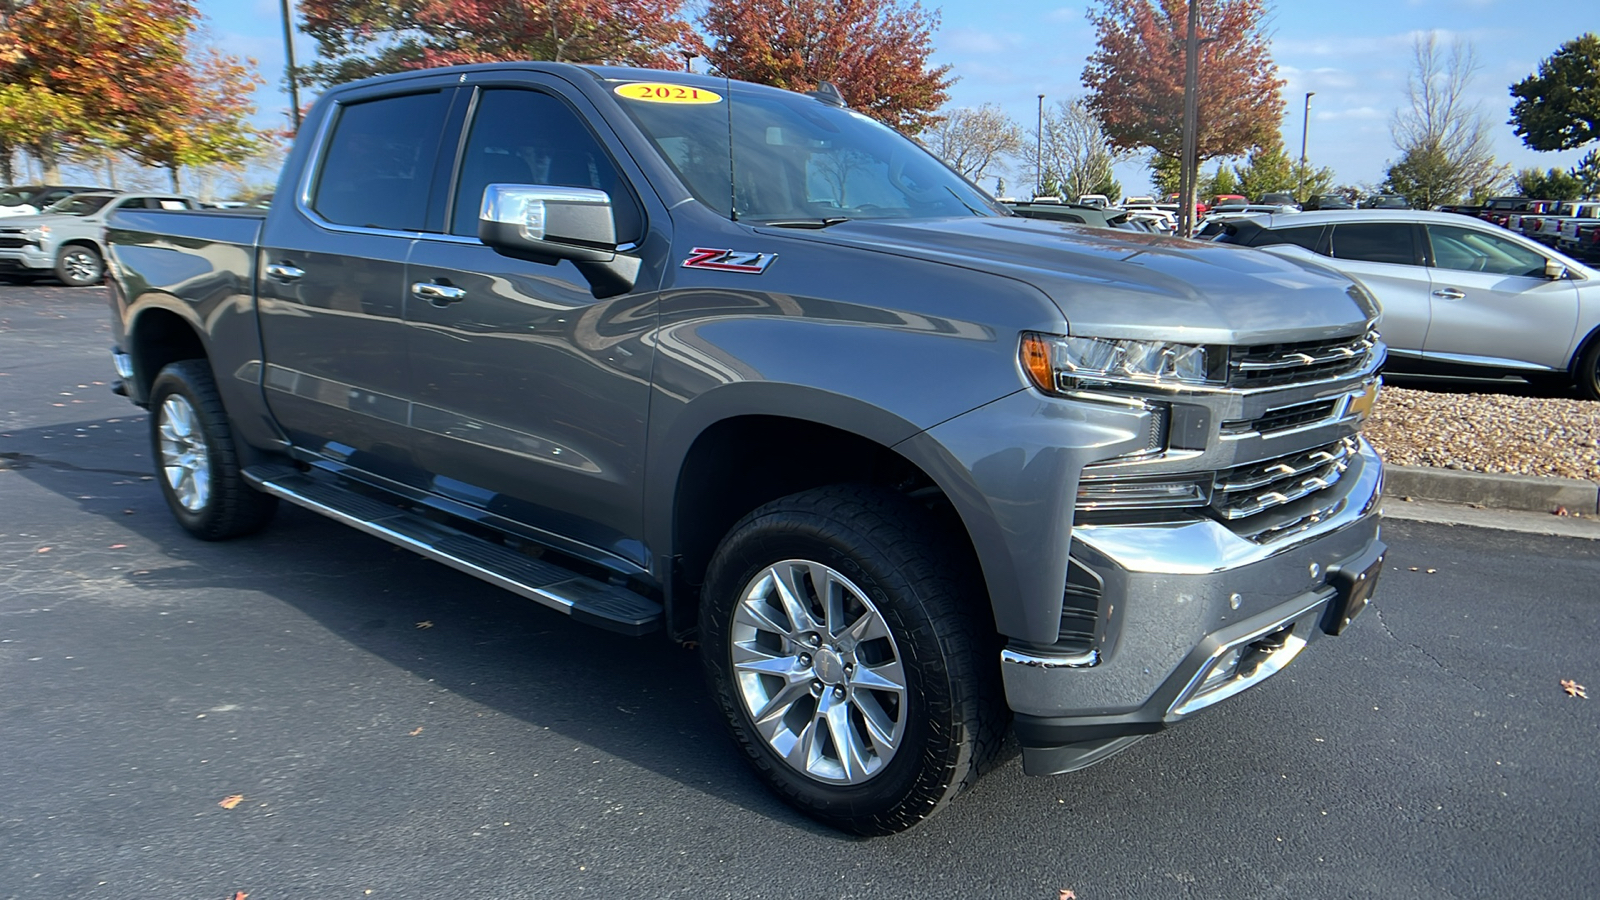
(1038, 152)
(1305, 127)
(1191, 121)
(687, 56)
(294, 81)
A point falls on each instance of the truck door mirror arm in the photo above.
(548, 223)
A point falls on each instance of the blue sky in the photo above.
(1353, 53)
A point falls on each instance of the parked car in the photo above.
(1386, 201)
(1498, 210)
(1328, 201)
(1580, 238)
(912, 472)
(1072, 213)
(66, 239)
(1100, 201)
(31, 199)
(1546, 227)
(1278, 198)
(1458, 295)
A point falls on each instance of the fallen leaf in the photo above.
(239, 895)
(1413, 568)
(1573, 688)
(1432, 571)
(1067, 895)
(42, 550)
(425, 624)
(230, 801)
(118, 546)
(416, 731)
(1561, 511)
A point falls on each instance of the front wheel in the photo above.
(78, 265)
(841, 639)
(1589, 371)
(197, 465)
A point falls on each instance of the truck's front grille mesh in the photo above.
(1283, 418)
(13, 243)
(1272, 365)
(1247, 490)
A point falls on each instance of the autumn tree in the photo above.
(358, 38)
(1135, 77)
(874, 51)
(974, 140)
(1445, 140)
(1553, 184)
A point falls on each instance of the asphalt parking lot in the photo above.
(393, 729)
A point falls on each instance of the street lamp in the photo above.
(687, 56)
(294, 81)
(1038, 152)
(1305, 127)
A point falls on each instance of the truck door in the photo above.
(531, 395)
(332, 278)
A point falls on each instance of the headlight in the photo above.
(1055, 363)
(36, 233)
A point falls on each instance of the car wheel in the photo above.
(196, 461)
(1589, 371)
(841, 637)
(78, 265)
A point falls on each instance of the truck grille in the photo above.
(14, 243)
(1271, 365)
(1283, 418)
(1247, 490)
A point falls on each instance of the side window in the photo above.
(1379, 242)
(379, 163)
(1470, 250)
(1307, 236)
(530, 137)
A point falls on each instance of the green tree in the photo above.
(1220, 182)
(1550, 185)
(1265, 170)
(1165, 173)
(1587, 171)
(1558, 108)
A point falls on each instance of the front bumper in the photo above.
(25, 259)
(1201, 614)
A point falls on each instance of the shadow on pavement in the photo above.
(640, 699)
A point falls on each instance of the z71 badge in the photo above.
(729, 260)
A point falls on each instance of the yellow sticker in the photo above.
(658, 92)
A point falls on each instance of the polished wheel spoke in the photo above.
(828, 712)
(184, 460)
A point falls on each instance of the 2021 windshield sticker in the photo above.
(729, 260)
(657, 92)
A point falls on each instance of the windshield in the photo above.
(799, 161)
(14, 198)
(80, 205)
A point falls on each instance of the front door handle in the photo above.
(284, 272)
(1448, 294)
(440, 295)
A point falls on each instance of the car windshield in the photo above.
(14, 198)
(795, 160)
(77, 206)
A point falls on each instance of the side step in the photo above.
(590, 601)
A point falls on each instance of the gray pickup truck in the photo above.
(672, 354)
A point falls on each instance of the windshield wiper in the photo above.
(801, 223)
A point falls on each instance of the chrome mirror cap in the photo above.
(548, 222)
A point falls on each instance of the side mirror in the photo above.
(1554, 271)
(546, 224)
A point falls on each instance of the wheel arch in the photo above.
(158, 336)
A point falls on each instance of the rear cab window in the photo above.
(378, 165)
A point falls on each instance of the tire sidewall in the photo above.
(1589, 371)
(759, 543)
(66, 278)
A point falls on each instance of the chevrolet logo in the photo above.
(1360, 404)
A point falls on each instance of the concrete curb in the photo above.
(1517, 492)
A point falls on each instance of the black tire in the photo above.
(928, 595)
(79, 265)
(1589, 371)
(204, 485)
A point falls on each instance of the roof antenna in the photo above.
(733, 190)
(828, 93)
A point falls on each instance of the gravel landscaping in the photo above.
(1488, 433)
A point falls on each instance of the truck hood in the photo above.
(1128, 284)
(52, 221)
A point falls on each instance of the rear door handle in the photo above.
(1448, 294)
(284, 272)
(440, 295)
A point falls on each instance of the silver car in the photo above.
(1459, 295)
(66, 239)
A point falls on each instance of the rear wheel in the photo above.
(197, 464)
(838, 638)
(79, 265)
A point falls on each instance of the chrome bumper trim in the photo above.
(1303, 625)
